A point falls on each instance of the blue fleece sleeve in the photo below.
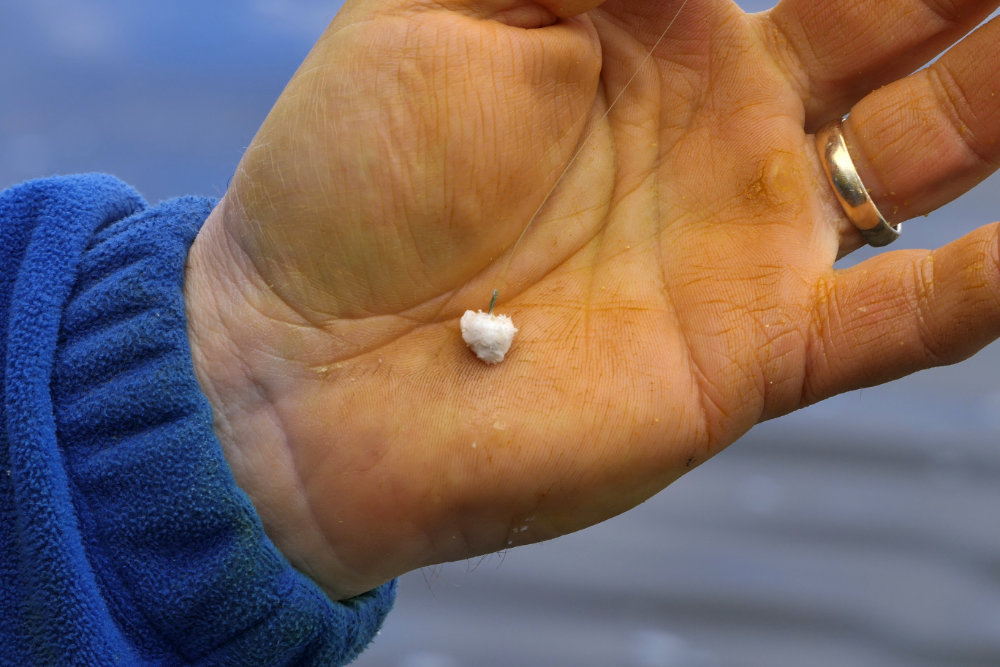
(123, 536)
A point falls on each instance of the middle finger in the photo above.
(842, 49)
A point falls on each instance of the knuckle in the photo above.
(926, 314)
(990, 262)
(824, 317)
(948, 12)
(960, 114)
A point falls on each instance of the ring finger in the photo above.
(926, 139)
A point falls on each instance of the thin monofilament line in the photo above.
(583, 144)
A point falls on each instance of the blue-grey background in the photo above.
(858, 532)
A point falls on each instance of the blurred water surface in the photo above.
(857, 532)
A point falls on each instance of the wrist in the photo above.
(231, 328)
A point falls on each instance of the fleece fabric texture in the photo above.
(124, 538)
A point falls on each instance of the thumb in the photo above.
(902, 312)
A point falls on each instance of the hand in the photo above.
(676, 289)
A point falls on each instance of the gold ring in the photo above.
(848, 188)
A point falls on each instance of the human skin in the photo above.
(676, 289)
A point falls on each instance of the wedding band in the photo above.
(850, 191)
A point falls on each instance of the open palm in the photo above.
(676, 288)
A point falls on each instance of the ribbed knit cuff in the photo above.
(173, 546)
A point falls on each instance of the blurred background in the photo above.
(858, 532)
